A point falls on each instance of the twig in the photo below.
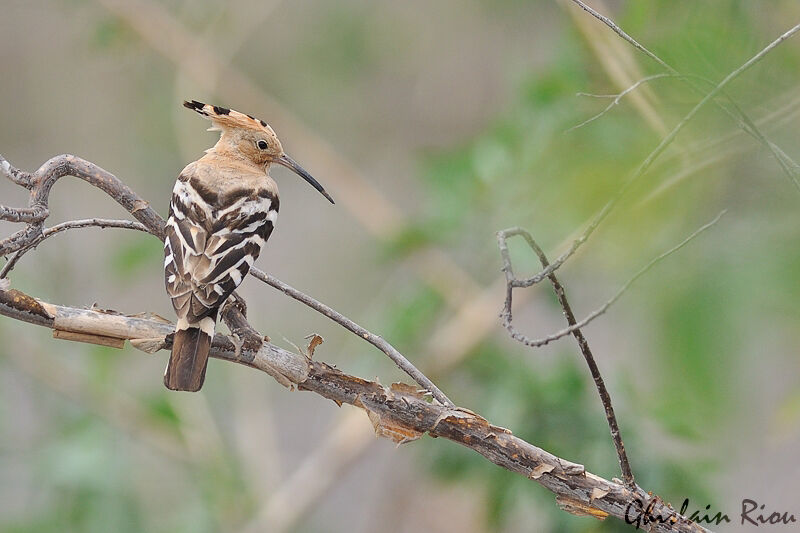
(376, 340)
(619, 64)
(73, 224)
(650, 159)
(616, 97)
(506, 314)
(711, 151)
(790, 168)
(605, 397)
(395, 411)
(610, 23)
(20, 177)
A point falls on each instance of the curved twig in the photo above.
(64, 226)
(506, 313)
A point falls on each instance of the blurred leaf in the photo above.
(412, 315)
(159, 406)
(103, 362)
(697, 337)
(111, 32)
(408, 240)
(133, 253)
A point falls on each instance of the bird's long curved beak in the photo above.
(290, 163)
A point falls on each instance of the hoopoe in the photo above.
(223, 209)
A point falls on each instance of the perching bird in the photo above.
(223, 209)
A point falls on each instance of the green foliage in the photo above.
(697, 337)
(110, 33)
(161, 409)
(411, 317)
(82, 474)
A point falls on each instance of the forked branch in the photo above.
(605, 397)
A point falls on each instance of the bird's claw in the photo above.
(237, 343)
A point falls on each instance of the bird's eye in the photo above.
(262, 144)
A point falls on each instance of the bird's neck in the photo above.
(226, 147)
(225, 152)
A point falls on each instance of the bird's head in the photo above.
(249, 138)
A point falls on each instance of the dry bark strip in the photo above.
(399, 411)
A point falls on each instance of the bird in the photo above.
(222, 212)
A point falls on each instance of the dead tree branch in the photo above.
(512, 283)
(73, 224)
(605, 397)
(400, 412)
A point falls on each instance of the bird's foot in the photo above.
(237, 344)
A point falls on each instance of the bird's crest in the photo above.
(223, 118)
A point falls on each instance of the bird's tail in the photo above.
(186, 370)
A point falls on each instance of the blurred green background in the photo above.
(433, 124)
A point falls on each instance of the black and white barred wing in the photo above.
(212, 241)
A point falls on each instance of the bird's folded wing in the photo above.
(212, 241)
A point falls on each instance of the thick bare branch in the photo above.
(398, 411)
